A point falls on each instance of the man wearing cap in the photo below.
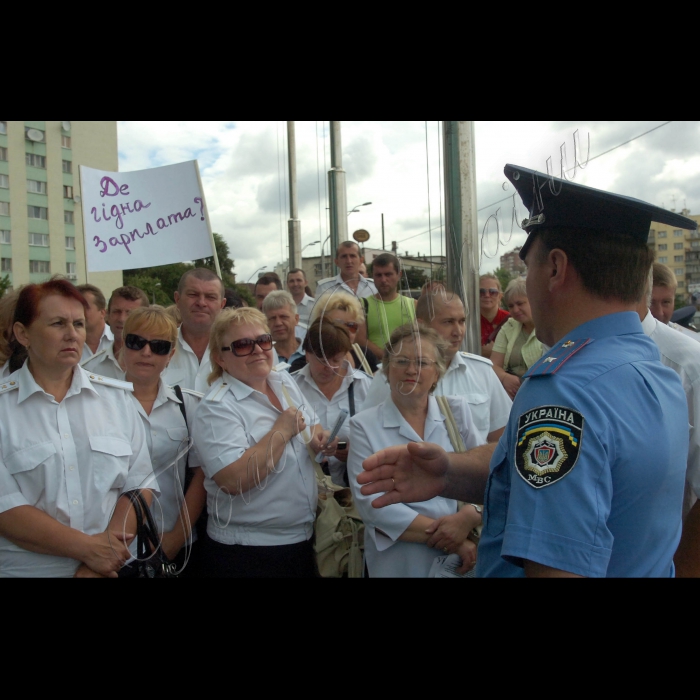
(588, 478)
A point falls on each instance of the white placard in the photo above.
(144, 218)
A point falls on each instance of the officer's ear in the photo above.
(559, 267)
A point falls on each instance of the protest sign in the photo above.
(144, 218)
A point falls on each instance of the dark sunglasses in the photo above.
(246, 346)
(350, 325)
(489, 292)
(158, 347)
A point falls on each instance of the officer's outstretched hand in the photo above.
(408, 474)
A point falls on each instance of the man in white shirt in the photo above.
(349, 261)
(663, 299)
(105, 363)
(282, 318)
(199, 299)
(682, 355)
(467, 375)
(297, 285)
(99, 334)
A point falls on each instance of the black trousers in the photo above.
(235, 561)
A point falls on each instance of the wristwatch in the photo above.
(476, 532)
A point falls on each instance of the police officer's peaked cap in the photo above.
(556, 203)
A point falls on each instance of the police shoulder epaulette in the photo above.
(281, 367)
(470, 356)
(191, 392)
(6, 387)
(94, 357)
(329, 280)
(218, 391)
(108, 381)
(556, 358)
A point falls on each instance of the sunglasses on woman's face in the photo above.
(489, 292)
(350, 325)
(158, 347)
(246, 346)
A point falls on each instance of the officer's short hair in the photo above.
(129, 293)
(610, 267)
(267, 280)
(435, 298)
(203, 275)
(349, 244)
(664, 277)
(100, 301)
(517, 288)
(279, 300)
(386, 259)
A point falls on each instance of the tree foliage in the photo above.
(504, 277)
(226, 262)
(5, 284)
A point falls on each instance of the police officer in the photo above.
(579, 484)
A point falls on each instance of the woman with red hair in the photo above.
(70, 445)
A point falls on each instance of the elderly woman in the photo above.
(250, 431)
(330, 385)
(516, 348)
(70, 444)
(344, 310)
(403, 541)
(167, 414)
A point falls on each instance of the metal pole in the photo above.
(294, 223)
(383, 241)
(337, 192)
(461, 227)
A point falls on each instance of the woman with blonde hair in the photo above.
(516, 348)
(404, 541)
(343, 309)
(12, 354)
(250, 430)
(150, 336)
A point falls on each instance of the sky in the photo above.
(397, 166)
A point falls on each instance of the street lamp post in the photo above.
(323, 258)
(255, 273)
(356, 210)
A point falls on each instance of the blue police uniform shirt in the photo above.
(589, 476)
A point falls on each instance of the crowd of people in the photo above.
(222, 417)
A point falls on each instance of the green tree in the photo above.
(5, 284)
(504, 277)
(167, 276)
(152, 287)
(415, 276)
(226, 262)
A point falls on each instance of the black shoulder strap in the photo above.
(365, 303)
(183, 410)
(351, 396)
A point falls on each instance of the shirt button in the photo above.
(75, 503)
(72, 469)
(66, 436)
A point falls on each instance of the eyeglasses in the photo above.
(350, 325)
(489, 292)
(405, 363)
(246, 346)
(158, 347)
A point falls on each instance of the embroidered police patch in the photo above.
(548, 444)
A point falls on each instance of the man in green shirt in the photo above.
(387, 310)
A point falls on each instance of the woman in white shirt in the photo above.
(149, 345)
(331, 385)
(70, 445)
(260, 482)
(403, 541)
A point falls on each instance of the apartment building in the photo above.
(41, 229)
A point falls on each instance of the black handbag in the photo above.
(150, 562)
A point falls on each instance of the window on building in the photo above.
(70, 243)
(39, 239)
(678, 246)
(681, 284)
(3, 153)
(38, 213)
(40, 267)
(4, 182)
(71, 271)
(6, 237)
(67, 167)
(663, 259)
(6, 265)
(34, 161)
(68, 217)
(65, 141)
(662, 234)
(3, 127)
(663, 246)
(36, 187)
(4, 208)
(680, 271)
(67, 192)
(678, 233)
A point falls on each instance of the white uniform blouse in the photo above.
(5, 371)
(104, 364)
(106, 340)
(167, 435)
(470, 376)
(374, 430)
(70, 460)
(186, 370)
(327, 412)
(231, 419)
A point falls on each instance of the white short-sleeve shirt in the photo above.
(105, 341)
(5, 371)
(376, 429)
(365, 287)
(104, 364)
(469, 376)
(186, 370)
(231, 419)
(304, 309)
(326, 412)
(168, 437)
(70, 460)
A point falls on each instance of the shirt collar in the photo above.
(305, 375)
(240, 390)
(649, 324)
(458, 362)
(394, 419)
(28, 386)
(623, 323)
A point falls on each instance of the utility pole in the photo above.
(337, 192)
(294, 223)
(383, 241)
(461, 227)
